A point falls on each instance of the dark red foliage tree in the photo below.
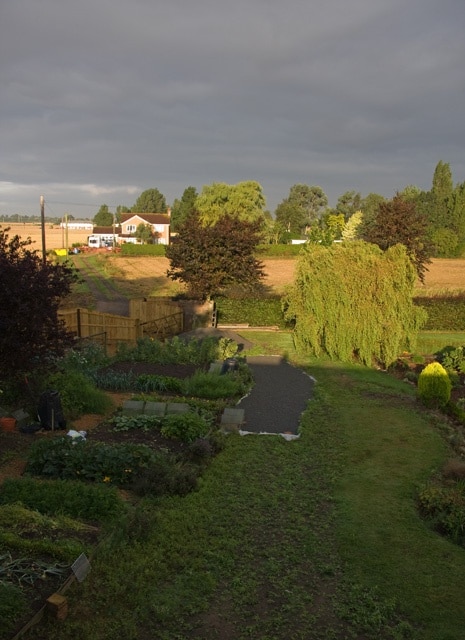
(31, 334)
(211, 259)
(398, 222)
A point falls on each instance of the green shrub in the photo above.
(166, 478)
(227, 348)
(78, 394)
(444, 508)
(184, 426)
(434, 386)
(64, 497)
(452, 358)
(174, 351)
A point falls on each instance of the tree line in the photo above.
(305, 213)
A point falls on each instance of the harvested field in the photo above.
(442, 275)
(54, 236)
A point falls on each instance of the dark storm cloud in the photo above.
(102, 99)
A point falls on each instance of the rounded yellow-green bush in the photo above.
(434, 385)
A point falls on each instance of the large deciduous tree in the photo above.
(211, 259)
(103, 217)
(150, 201)
(244, 200)
(301, 208)
(353, 302)
(399, 222)
(31, 334)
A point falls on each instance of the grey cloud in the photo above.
(348, 94)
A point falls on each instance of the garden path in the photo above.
(278, 398)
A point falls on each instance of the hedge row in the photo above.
(129, 249)
(257, 312)
(263, 251)
(445, 313)
(278, 250)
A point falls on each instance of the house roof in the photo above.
(150, 218)
(106, 230)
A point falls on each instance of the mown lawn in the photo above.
(313, 539)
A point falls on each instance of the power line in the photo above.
(81, 204)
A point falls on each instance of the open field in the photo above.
(54, 236)
(443, 274)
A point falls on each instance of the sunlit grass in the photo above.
(430, 342)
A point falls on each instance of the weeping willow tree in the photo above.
(354, 302)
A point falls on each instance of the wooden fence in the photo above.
(157, 321)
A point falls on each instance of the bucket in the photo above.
(8, 424)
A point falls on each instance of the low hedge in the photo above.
(129, 249)
(257, 312)
(445, 312)
(278, 250)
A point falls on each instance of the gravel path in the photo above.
(278, 398)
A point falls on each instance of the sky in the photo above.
(102, 99)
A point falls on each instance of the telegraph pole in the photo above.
(42, 219)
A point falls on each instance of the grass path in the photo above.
(313, 539)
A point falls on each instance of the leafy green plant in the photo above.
(184, 426)
(165, 384)
(204, 384)
(85, 359)
(434, 385)
(61, 497)
(227, 348)
(96, 462)
(112, 380)
(142, 422)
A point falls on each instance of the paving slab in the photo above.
(133, 407)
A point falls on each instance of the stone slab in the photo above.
(133, 407)
(155, 408)
(177, 407)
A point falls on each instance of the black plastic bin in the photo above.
(50, 411)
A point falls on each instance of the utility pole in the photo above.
(42, 219)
